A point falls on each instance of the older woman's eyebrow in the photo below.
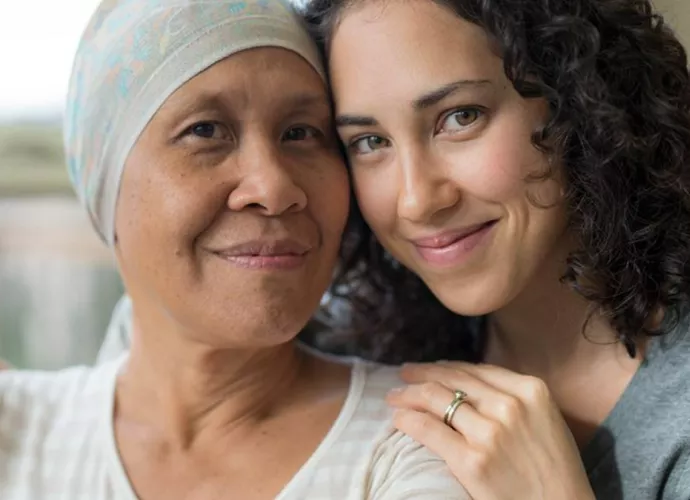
(210, 100)
(437, 95)
(179, 107)
(307, 101)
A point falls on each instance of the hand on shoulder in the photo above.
(500, 432)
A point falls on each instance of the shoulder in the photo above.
(380, 379)
(36, 404)
(402, 468)
(662, 388)
(20, 388)
(51, 426)
(643, 448)
(371, 383)
(667, 423)
(365, 416)
(677, 482)
(118, 335)
(31, 390)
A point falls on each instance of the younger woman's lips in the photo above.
(450, 249)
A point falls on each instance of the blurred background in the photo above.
(58, 283)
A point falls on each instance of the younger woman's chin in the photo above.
(478, 300)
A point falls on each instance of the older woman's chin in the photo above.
(228, 306)
(260, 321)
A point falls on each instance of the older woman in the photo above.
(199, 139)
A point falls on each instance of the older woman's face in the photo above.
(440, 148)
(233, 202)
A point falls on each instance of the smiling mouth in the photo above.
(275, 262)
(266, 255)
(453, 248)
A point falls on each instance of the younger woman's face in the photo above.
(439, 144)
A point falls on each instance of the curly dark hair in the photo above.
(616, 81)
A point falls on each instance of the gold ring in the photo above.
(459, 399)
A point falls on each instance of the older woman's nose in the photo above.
(267, 182)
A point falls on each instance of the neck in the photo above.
(549, 327)
(185, 390)
(550, 332)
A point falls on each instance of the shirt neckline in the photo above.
(123, 487)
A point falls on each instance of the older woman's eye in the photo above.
(460, 119)
(369, 144)
(301, 133)
(208, 130)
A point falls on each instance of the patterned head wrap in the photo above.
(133, 56)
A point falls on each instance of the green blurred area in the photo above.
(55, 303)
(32, 160)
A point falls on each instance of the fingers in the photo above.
(434, 398)
(430, 432)
(512, 394)
(434, 391)
(484, 397)
(473, 467)
(500, 378)
(505, 442)
(527, 388)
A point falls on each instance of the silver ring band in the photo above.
(459, 399)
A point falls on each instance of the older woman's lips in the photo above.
(453, 247)
(266, 254)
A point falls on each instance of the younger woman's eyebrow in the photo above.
(355, 121)
(437, 95)
(422, 102)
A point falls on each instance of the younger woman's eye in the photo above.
(208, 130)
(369, 144)
(460, 119)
